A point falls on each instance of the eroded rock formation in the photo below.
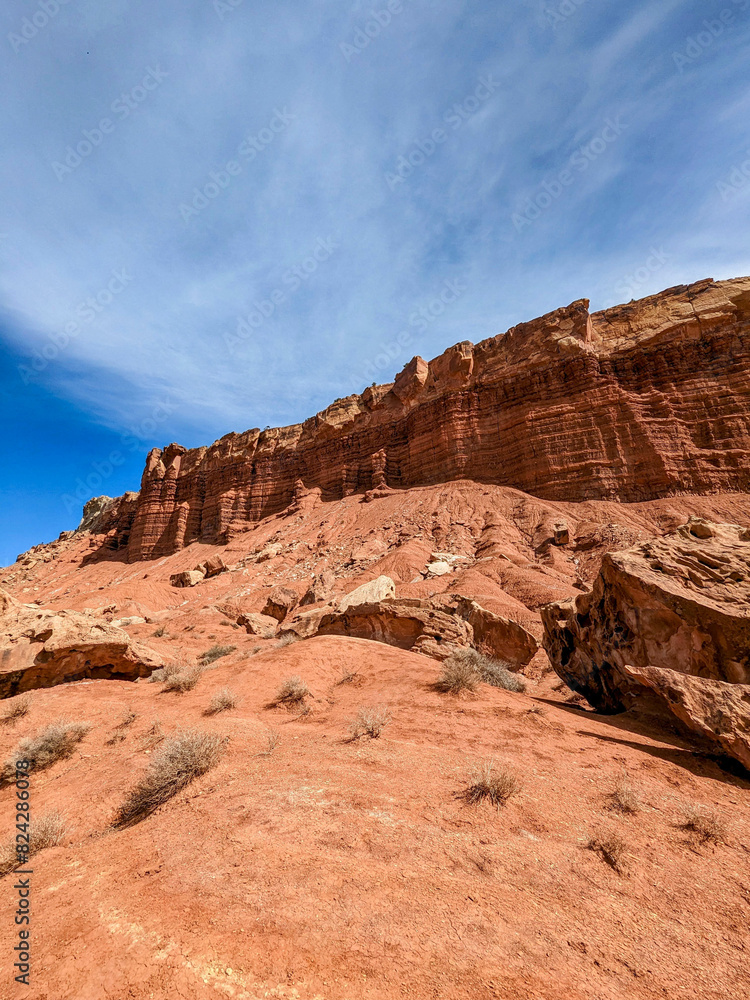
(40, 648)
(671, 617)
(640, 401)
(432, 627)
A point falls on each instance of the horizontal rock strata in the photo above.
(636, 402)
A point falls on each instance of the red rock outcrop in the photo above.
(40, 648)
(633, 403)
(432, 627)
(670, 617)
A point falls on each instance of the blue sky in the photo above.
(222, 215)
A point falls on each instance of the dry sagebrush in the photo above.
(182, 758)
(292, 693)
(370, 722)
(17, 708)
(48, 831)
(56, 742)
(222, 701)
(488, 782)
(466, 668)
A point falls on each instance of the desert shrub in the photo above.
(153, 735)
(159, 632)
(485, 782)
(47, 831)
(57, 742)
(287, 639)
(611, 847)
(272, 741)
(456, 676)
(119, 731)
(347, 677)
(182, 679)
(705, 824)
(17, 709)
(292, 693)
(183, 758)
(370, 722)
(464, 664)
(222, 701)
(215, 653)
(496, 673)
(625, 799)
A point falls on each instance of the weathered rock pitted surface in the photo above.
(640, 401)
(681, 602)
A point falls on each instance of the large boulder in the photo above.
(264, 626)
(498, 637)
(717, 711)
(212, 567)
(40, 648)
(188, 578)
(371, 592)
(667, 622)
(409, 624)
(281, 601)
(681, 602)
(433, 627)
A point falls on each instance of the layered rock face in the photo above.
(670, 618)
(637, 402)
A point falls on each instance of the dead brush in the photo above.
(152, 736)
(625, 799)
(611, 848)
(17, 709)
(292, 693)
(215, 653)
(347, 677)
(222, 701)
(287, 639)
(457, 676)
(120, 729)
(48, 831)
(705, 824)
(272, 741)
(56, 742)
(182, 678)
(466, 668)
(485, 782)
(184, 757)
(370, 722)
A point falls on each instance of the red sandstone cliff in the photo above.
(633, 403)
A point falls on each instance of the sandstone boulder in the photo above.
(188, 578)
(681, 602)
(40, 648)
(439, 568)
(320, 589)
(264, 626)
(498, 637)
(717, 711)
(280, 602)
(408, 624)
(432, 627)
(376, 590)
(212, 567)
(668, 620)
